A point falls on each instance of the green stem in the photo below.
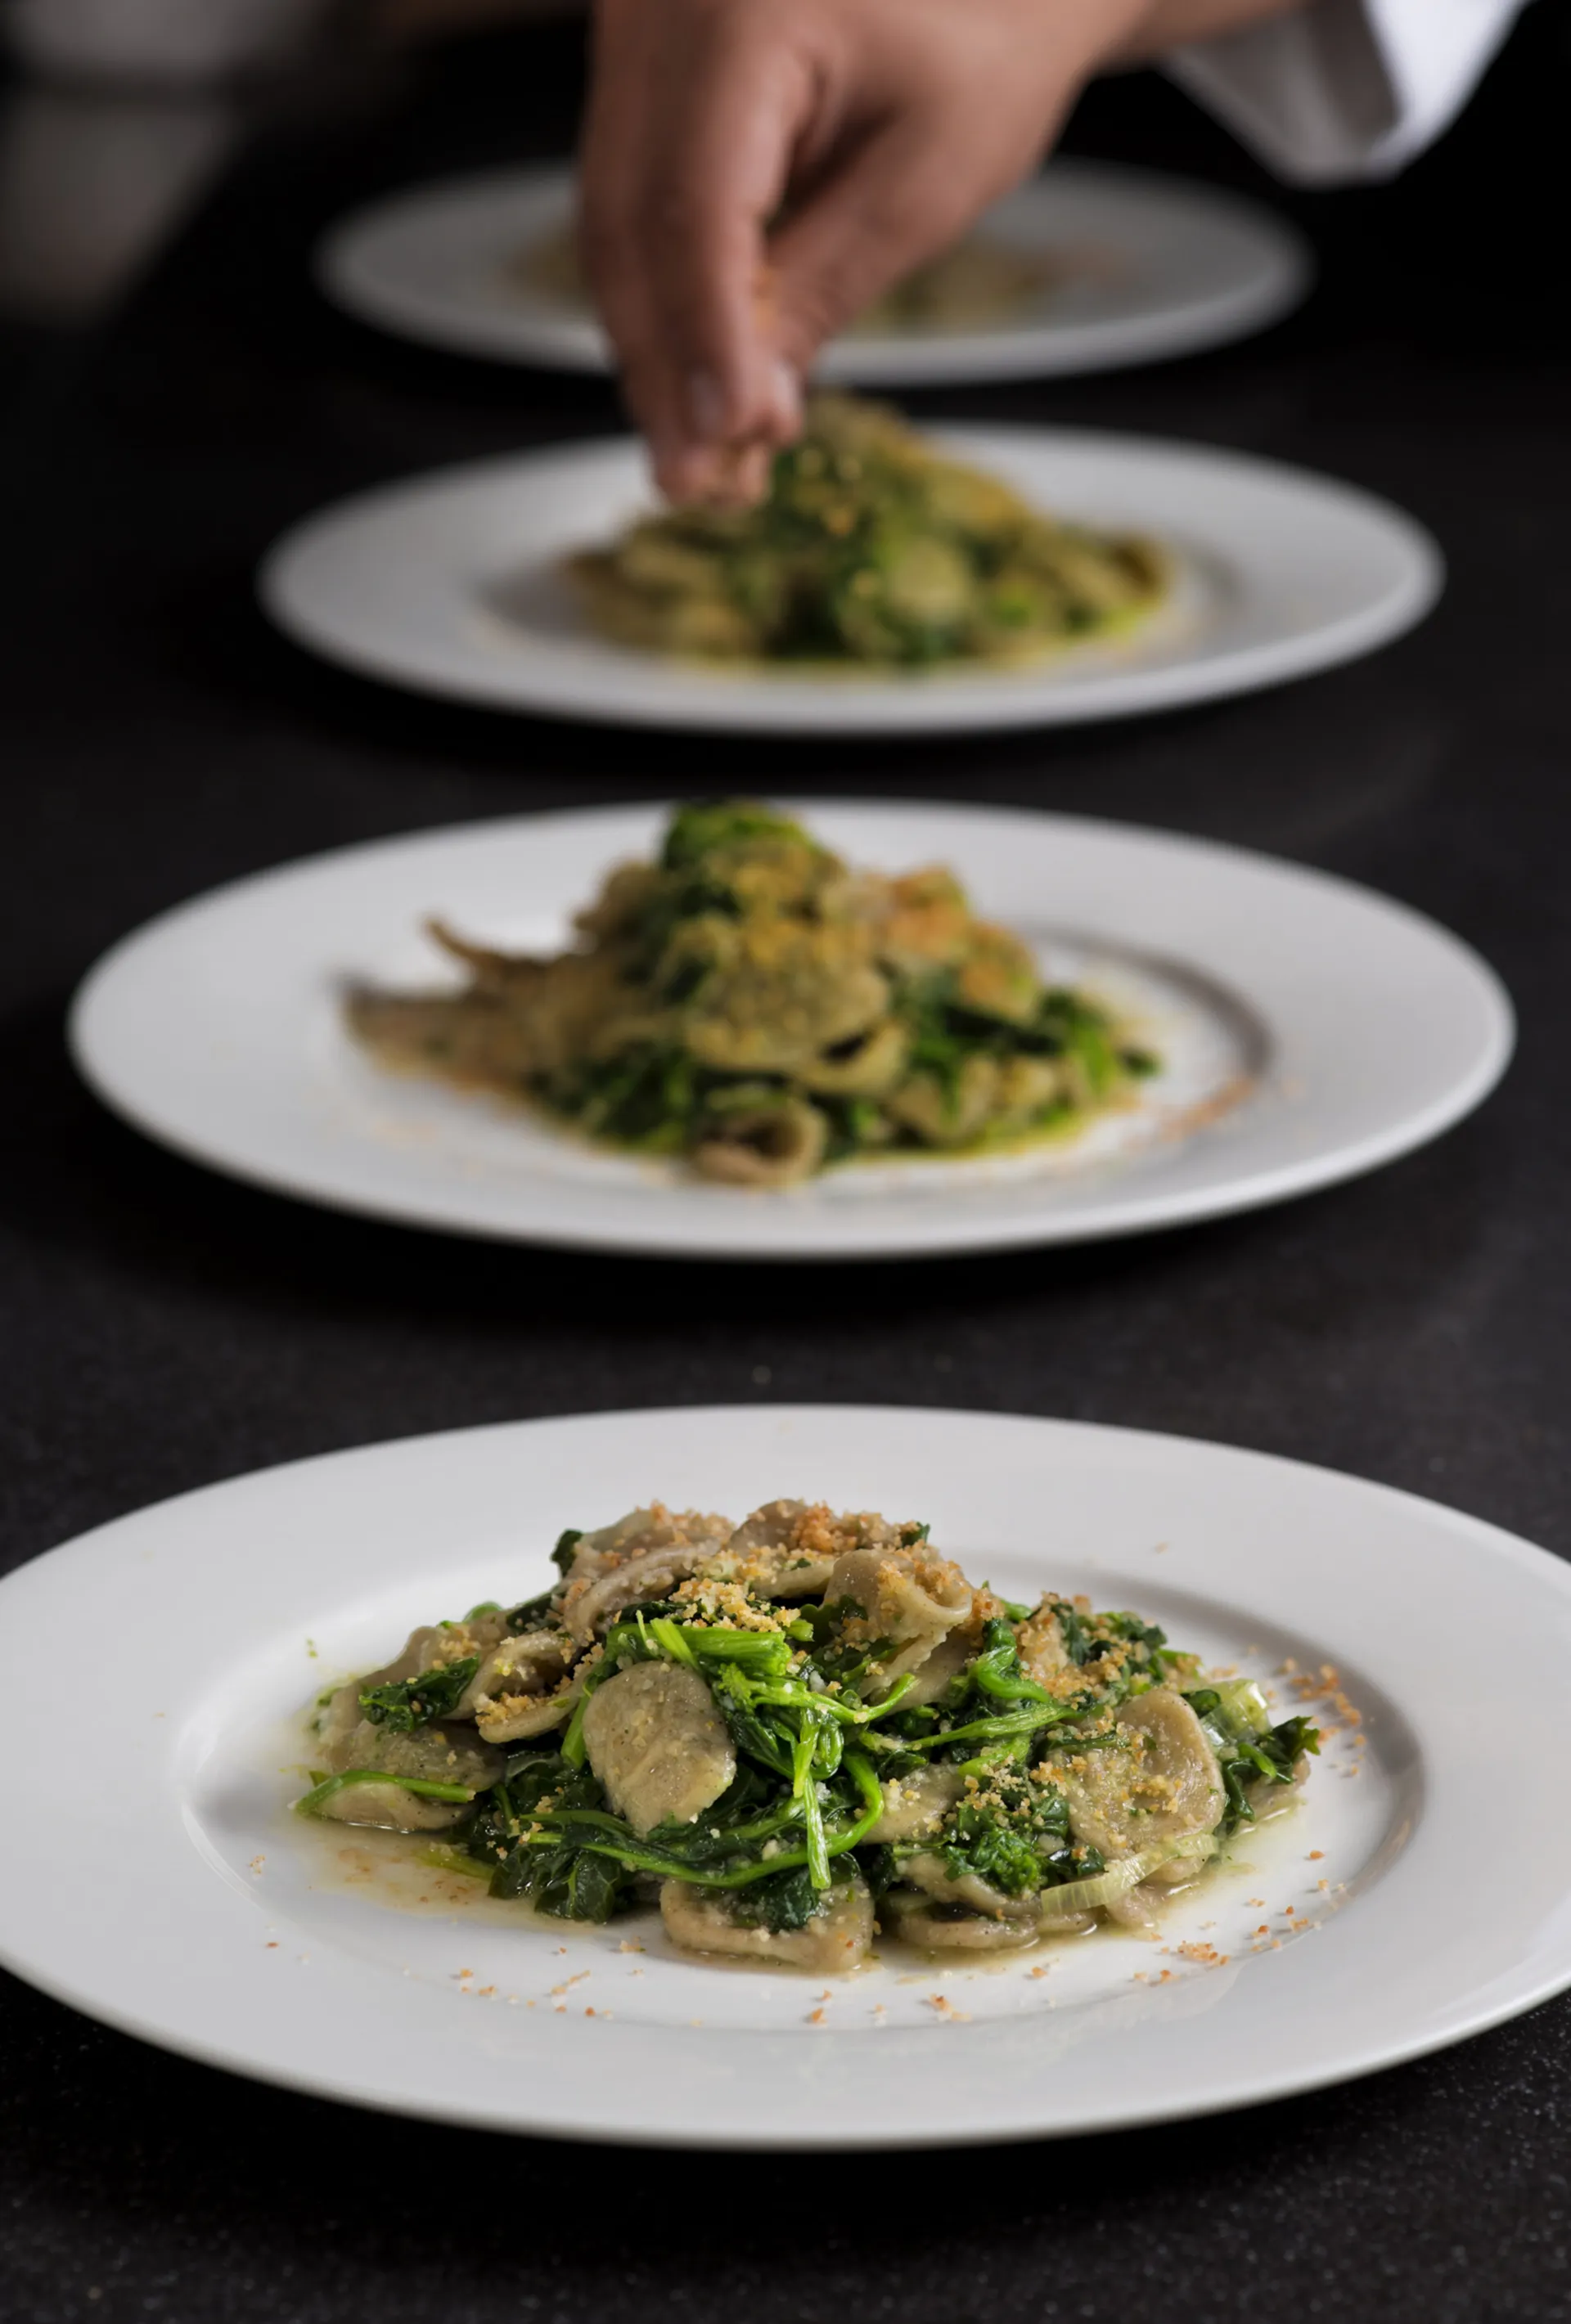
(574, 1749)
(791, 1696)
(666, 1635)
(453, 1859)
(643, 1859)
(314, 1801)
(1008, 1689)
(988, 1731)
(768, 1646)
(805, 1790)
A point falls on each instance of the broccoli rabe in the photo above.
(401, 1705)
(751, 1002)
(864, 1730)
(1251, 1752)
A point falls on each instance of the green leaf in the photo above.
(594, 1887)
(1247, 1759)
(401, 1705)
(1079, 1643)
(1011, 1837)
(704, 824)
(784, 1900)
(996, 1672)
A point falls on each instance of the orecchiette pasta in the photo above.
(791, 1732)
(751, 1005)
(873, 547)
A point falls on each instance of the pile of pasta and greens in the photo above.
(799, 1728)
(870, 548)
(750, 1003)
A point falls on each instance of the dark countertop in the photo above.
(160, 1328)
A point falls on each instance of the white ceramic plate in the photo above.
(450, 583)
(1358, 1031)
(1150, 266)
(177, 1899)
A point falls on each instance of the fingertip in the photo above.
(711, 445)
(686, 472)
(806, 325)
(762, 402)
(786, 385)
(746, 479)
(723, 475)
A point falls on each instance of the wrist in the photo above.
(1083, 35)
(1178, 24)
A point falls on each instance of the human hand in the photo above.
(865, 133)
(757, 171)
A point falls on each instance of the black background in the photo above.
(162, 1329)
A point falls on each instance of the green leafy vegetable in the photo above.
(747, 1001)
(697, 830)
(996, 1672)
(782, 1901)
(1014, 1834)
(818, 1731)
(401, 1705)
(1250, 1750)
(1079, 1641)
(317, 1798)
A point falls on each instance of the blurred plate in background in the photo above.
(1111, 266)
(450, 583)
(1307, 1029)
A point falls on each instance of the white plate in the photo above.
(169, 1892)
(1364, 1030)
(1162, 268)
(450, 583)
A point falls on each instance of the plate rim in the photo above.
(1046, 350)
(665, 1241)
(861, 707)
(1233, 2094)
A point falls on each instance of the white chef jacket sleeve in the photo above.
(1341, 89)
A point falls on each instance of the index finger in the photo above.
(684, 162)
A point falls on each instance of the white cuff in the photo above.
(1346, 89)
